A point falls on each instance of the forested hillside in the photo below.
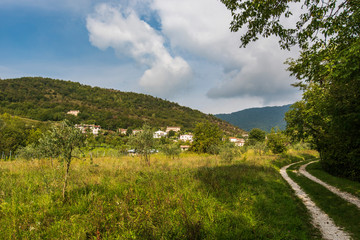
(264, 118)
(48, 99)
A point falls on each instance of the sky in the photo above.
(182, 51)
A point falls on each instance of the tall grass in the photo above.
(193, 197)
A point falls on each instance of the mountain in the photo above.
(48, 99)
(264, 118)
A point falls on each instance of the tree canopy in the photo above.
(207, 138)
(328, 69)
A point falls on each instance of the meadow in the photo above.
(119, 197)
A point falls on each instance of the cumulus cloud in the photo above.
(128, 35)
(202, 27)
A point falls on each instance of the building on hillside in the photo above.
(136, 131)
(159, 134)
(73, 112)
(122, 131)
(239, 142)
(94, 129)
(175, 129)
(184, 147)
(245, 135)
(186, 137)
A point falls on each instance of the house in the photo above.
(186, 137)
(136, 131)
(175, 129)
(94, 129)
(159, 134)
(122, 131)
(73, 112)
(239, 142)
(184, 147)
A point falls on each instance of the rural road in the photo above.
(320, 219)
(346, 196)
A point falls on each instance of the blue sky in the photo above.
(180, 51)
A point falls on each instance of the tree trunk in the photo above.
(65, 180)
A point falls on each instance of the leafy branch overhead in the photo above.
(328, 69)
(319, 23)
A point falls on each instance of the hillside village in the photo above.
(173, 133)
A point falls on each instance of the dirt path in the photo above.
(320, 219)
(346, 196)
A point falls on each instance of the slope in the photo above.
(47, 99)
(264, 118)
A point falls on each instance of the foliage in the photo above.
(328, 71)
(256, 135)
(143, 143)
(228, 152)
(48, 99)
(16, 133)
(61, 142)
(207, 138)
(277, 141)
(171, 150)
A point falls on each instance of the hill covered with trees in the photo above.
(48, 99)
(264, 118)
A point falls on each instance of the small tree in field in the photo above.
(277, 141)
(143, 143)
(60, 142)
(171, 150)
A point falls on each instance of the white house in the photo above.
(73, 112)
(186, 137)
(239, 142)
(159, 134)
(175, 129)
(94, 129)
(122, 131)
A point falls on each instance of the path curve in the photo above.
(346, 196)
(320, 219)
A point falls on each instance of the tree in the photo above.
(143, 143)
(328, 71)
(207, 138)
(276, 141)
(256, 135)
(171, 150)
(61, 141)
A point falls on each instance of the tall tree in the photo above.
(144, 143)
(62, 141)
(256, 135)
(207, 138)
(328, 70)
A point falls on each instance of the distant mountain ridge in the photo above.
(48, 99)
(264, 118)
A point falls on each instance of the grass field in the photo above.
(193, 197)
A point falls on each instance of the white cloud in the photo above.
(128, 35)
(202, 28)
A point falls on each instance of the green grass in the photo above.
(341, 183)
(344, 214)
(194, 197)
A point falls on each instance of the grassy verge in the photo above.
(193, 197)
(341, 183)
(344, 214)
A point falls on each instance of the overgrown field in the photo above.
(193, 197)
